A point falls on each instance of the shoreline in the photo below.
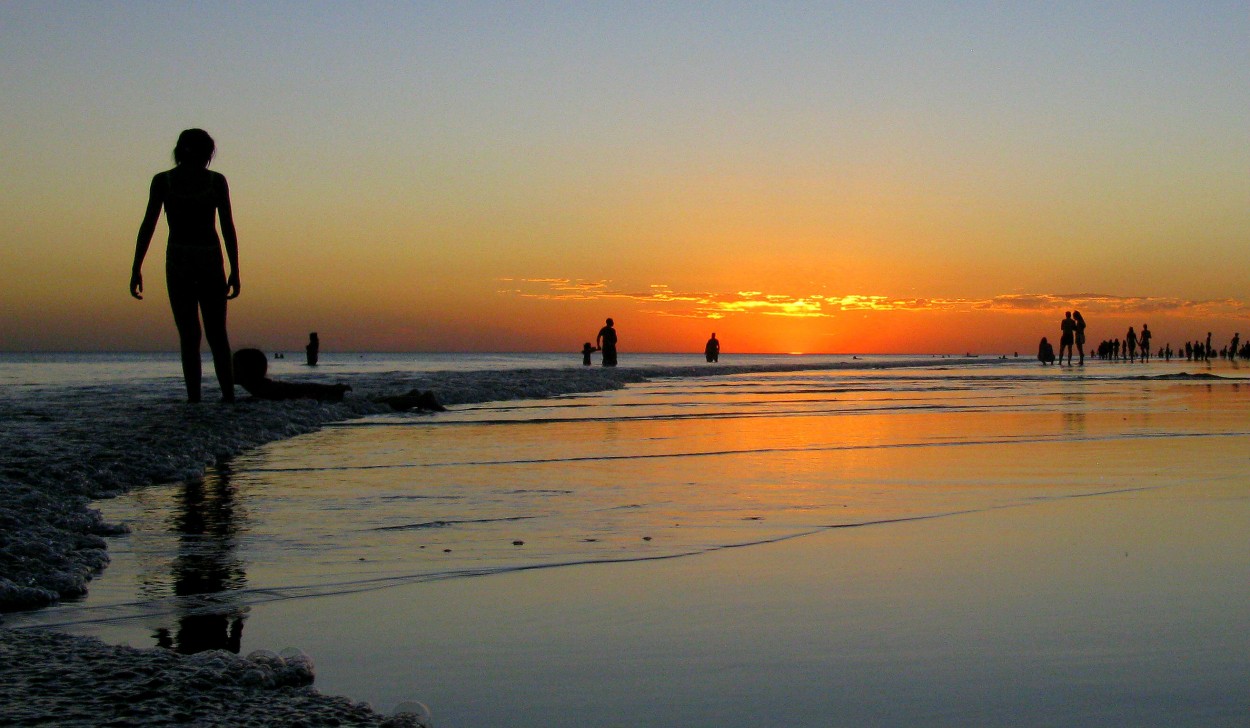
(52, 541)
(52, 545)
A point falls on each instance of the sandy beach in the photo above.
(67, 447)
(1072, 556)
(1121, 605)
(604, 365)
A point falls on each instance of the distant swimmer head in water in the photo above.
(195, 148)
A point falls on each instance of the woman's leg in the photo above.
(182, 301)
(213, 308)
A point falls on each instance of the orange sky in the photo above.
(503, 178)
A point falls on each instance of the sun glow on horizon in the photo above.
(814, 178)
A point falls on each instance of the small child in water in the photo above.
(587, 350)
(251, 365)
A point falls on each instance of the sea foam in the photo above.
(69, 445)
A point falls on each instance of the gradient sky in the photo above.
(820, 177)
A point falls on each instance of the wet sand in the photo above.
(1123, 608)
(54, 679)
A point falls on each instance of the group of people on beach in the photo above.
(1071, 333)
(1136, 346)
(606, 340)
(194, 200)
(1198, 350)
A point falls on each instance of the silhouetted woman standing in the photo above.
(1080, 335)
(194, 198)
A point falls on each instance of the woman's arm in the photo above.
(230, 238)
(147, 228)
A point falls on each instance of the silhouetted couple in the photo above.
(1135, 344)
(1072, 332)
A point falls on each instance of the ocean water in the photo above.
(368, 517)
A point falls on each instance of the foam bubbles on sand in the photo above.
(48, 678)
(69, 445)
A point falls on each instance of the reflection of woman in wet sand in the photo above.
(193, 199)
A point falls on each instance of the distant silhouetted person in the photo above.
(194, 199)
(1207, 349)
(605, 341)
(1080, 335)
(587, 350)
(1067, 336)
(312, 348)
(1045, 352)
(712, 349)
(1144, 343)
(1130, 344)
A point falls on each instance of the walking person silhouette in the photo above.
(194, 198)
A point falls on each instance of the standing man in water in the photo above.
(194, 199)
(606, 343)
(712, 349)
(312, 349)
(1067, 334)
